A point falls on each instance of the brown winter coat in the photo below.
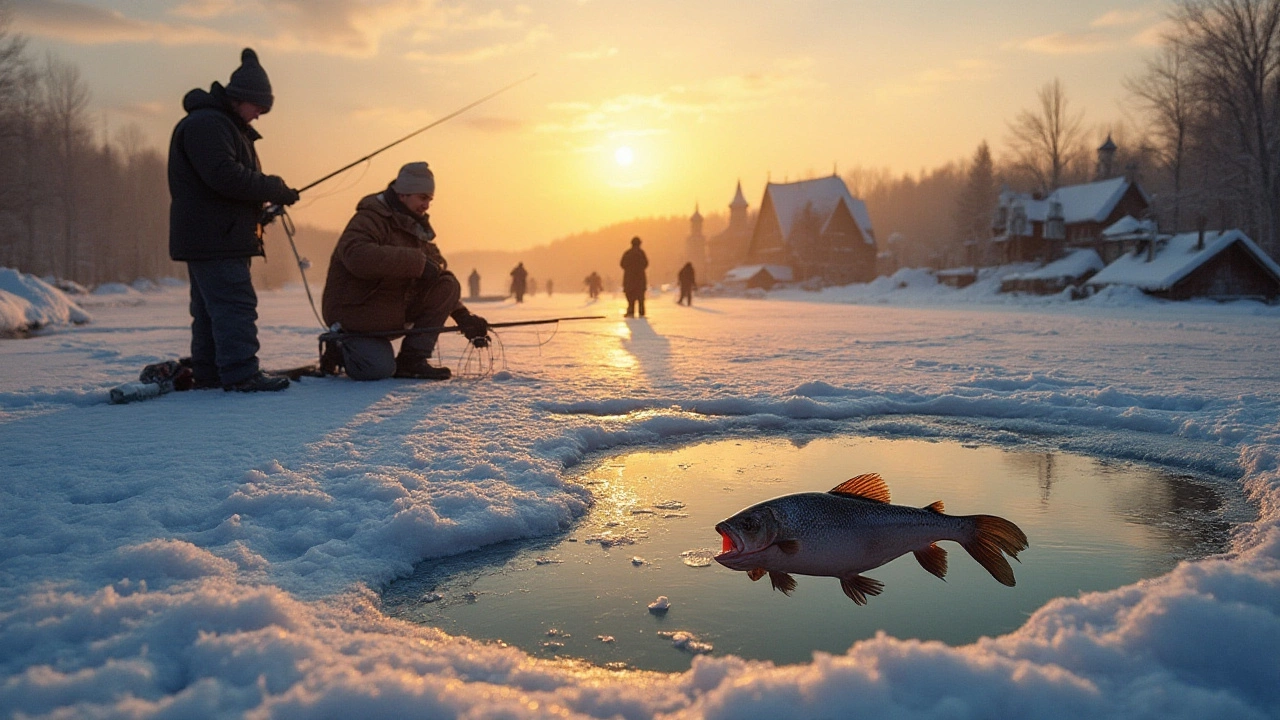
(375, 266)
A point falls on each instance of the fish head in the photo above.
(746, 536)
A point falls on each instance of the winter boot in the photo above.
(332, 361)
(259, 382)
(416, 367)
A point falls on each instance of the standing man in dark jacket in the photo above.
(634, 279)
(688, 282)
(387, 274)
(519, 281)
(217, 192)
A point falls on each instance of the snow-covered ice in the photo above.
(210, 554)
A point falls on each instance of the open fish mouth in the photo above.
(733, 549)
(728, 546)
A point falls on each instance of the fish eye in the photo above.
(750, 523)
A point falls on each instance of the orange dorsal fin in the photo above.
(867, 487)
(936, 506)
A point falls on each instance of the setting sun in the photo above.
(624, 156)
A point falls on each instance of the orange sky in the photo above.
(701, 94)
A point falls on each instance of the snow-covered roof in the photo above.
(742, 273)
(1090, 202)
(824, 195)
(1075, 264)
(1175, 260)
(1129, 227)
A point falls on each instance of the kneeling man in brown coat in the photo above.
(386, 275)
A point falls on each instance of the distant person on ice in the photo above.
(687, 284)
(594, 285)
(387, 274)
(217, 191)
(634, 281)
(473, 284)
(519, 281)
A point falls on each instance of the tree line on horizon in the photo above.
(73, 206)
(1205, 144)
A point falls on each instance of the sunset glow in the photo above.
(635, 110)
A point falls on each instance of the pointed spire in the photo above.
(739, 200)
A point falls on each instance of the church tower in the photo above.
(695, 246)
(738, 211)
(1106, 159)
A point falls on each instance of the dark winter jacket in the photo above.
(634, 262)
(687, 277)
(216, 186)
(379, 257)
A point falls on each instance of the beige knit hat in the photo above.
(415, 178)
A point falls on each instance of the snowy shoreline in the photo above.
(211, 555)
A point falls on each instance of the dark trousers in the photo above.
(428, 305)
(686, 295)
(224, 317)
(635, 298)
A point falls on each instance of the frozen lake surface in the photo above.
(1093, 525)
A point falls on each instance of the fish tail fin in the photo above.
(993, 537)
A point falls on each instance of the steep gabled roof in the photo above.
(824, 195)
(1090, 202)
(1176, 260)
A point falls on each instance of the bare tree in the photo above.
(66, 102)
(1232, 48)
(1046, 141)
(1163, 92)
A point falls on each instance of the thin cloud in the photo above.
(599, 53)
(1068, 43)
(636, 113)
(494, 125)
(88, 25)
(931, 80)
(532, 39)
(1119, 18)
(1156, 35)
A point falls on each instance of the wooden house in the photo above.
(816, 228)
(1221, 265)
(1030, 228)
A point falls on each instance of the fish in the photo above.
(853, 528)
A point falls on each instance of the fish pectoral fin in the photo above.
(782, 581)
(756, 573)
(933, 559)
(867, 487)
(858, 587)
(789, 547)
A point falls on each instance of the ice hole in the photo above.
(1094, 524)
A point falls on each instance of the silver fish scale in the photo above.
(841, 535)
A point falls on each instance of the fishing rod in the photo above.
(272, 211)
(420, 130)
(340, 334)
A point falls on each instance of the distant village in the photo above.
(1077, 239)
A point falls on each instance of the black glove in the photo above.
(474, 327)
(281, 193)
(430, 271)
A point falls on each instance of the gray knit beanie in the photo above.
(249, 82)
(414, 178)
